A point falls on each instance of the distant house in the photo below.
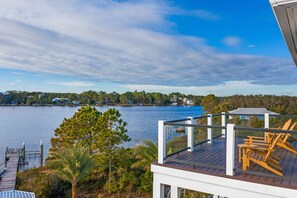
(60, 101)
(187, 101)
(56, 100)
(245, 113)
(42, 95)
(6, 98)
(75, 102)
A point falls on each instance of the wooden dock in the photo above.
(9, 178)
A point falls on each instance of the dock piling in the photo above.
(24, 151)
(41, 152)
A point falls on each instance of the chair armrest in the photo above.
(256, 137)
(251, 141)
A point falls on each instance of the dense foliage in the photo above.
(211, 103)
(279, 104)
(114, 171)
(71, 164)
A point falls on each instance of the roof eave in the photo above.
(284, 13)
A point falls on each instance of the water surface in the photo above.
(32, 124)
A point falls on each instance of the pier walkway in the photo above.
(9, 178)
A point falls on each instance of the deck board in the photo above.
(9, 178)
(214, 154)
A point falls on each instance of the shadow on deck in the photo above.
(211, 159)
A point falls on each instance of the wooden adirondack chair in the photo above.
(263, 156)
(265, 141)
(268, 136)
(284, 143)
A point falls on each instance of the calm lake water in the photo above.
(32, 124)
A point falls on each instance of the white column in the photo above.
(230, 150)
(266, 120)
(161, 142)
(223, 120)
(158, 189)
(174, 192)
(209, 130)
(190, 133)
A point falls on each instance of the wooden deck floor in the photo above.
(9, 178)
(211, 159)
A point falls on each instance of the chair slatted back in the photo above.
(287, 125)
(271, 146)
(287, 135)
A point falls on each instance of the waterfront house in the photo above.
(60, 101)
(75, 102)
(213, 165)
(40, 96)
(246, 113)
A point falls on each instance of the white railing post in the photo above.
(223, 120)
(174, 192)
(209, 130)
(266, 120)
(161, 142)
(230, 150)
(190, 133)
(158, 189)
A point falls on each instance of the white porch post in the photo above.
(190, 133)
(158, 189)
(209, 130)
(223, 120)
(174, 192)
(230, 150)
(161, 142)
(266, 120)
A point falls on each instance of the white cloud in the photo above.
(232, 41)
(122, 42)
(204, 14)
(73, 84)
(251, 46)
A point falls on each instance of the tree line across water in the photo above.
(285, 105)
(98, 98)
(210, 103)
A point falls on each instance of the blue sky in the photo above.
(192, 46)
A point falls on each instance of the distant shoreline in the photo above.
(120, 105)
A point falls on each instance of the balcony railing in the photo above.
(210, 143)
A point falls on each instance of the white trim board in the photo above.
(217, 185)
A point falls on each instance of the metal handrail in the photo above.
(199, 117)
(177, 152)
(264, 130)
(180, 120)
(195, 125)
(293, 116)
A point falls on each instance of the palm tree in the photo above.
(147, 154)
(71, 164)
